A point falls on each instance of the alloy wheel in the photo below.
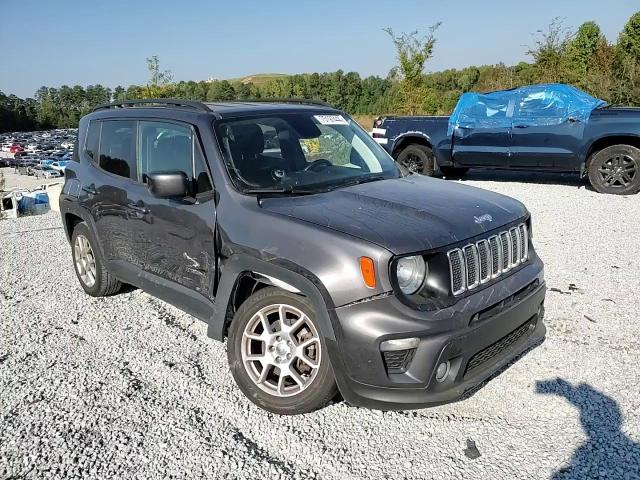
(413, 163)
(85, 261)
(619, 171)
(281, 350)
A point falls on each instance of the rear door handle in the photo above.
(521, 126)
(90, 189)
(138, 208)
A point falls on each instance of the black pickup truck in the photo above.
(554, 128)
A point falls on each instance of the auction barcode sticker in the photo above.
(331, 119)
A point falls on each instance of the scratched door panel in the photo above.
(181, 243)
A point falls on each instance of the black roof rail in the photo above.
(301, 101)
(171, 102)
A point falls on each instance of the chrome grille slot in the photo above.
(524, 242)
(473, 268)
(496, 256)
(505, 243)
(458, 271)
(515, 246)
(479, 263)
(484, 260)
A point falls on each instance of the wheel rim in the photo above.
(619, 171)
(413, 163)
(281, 350)
(85, 261)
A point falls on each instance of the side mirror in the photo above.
(168, 184)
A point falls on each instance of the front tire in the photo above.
(615, 170)
(417, 159)
(277, 354)
(93, 276)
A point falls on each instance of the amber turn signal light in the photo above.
(368, 272)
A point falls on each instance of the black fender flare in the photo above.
(235, 267)
(70, 207)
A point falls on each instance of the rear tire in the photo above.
(615, 170)
(417, 159)
(272, 365)
(93, 276)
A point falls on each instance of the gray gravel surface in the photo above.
(130, 387)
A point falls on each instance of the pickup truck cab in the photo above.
(530, 128)
(326, 266)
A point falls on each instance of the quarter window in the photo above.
(91, 143)
(117, 148)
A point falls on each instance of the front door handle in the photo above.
(521, 126)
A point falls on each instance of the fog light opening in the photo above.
(443, 371)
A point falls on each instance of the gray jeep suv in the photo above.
(327, 268)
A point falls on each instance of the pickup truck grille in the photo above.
(478, 263)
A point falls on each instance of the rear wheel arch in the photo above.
(71, 220)
(604, 142)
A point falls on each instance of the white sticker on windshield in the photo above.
(331, 119)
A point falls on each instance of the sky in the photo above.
(87, 42)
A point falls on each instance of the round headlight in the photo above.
(411, 272)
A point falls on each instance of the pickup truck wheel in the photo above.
(91, 272)
(615, 169)
(277, 355)
(417, 159)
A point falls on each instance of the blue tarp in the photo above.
(534, 105)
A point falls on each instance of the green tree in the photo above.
(581, 51)
(549, 52)
(412, 53)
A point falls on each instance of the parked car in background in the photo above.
(16, 149)
(327, 270)
(42, 171)
(555, 128)
(59, 165)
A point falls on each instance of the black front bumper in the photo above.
(477, 336)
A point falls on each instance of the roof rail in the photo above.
(171, 102)
(301, 101)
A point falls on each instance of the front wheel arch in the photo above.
(239, 267)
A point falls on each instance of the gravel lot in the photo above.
(130, 387)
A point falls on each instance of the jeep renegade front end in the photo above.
(326, 267)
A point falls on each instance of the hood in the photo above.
(404, 215)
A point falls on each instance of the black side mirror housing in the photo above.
(168, 184)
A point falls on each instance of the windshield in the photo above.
(302, 151)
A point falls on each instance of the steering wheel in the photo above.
(318, 165)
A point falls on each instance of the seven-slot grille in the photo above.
(477, 263)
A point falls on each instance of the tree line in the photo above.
(584, 58)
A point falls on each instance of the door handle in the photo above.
(90, 189)
(520, 126)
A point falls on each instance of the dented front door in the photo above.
(180, 243)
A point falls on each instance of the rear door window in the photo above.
(117, 148)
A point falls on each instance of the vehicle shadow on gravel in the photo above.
(607, 452)
(542, 178)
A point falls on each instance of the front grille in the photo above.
(492, 351)
(475, 264)
(397, 361)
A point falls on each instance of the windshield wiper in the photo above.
(285, 190)
(359, 180)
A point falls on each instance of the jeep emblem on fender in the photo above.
(483, 218)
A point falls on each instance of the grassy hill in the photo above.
(259, 78)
